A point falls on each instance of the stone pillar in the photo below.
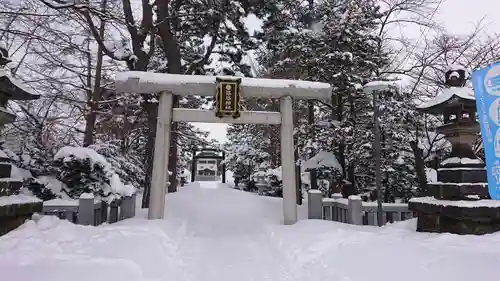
(160, 162)
(288, 162)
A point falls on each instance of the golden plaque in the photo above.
(227, 97)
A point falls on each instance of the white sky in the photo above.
(457, 16)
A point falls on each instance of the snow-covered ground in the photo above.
(212, 232)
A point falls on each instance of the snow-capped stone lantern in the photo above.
(14, 210)
(459, 201)
(260, 179)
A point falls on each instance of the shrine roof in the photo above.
(444, 99)
(208, 154)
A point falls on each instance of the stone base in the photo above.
(13, 216)
(458, 217)
(462, 174)
(457, 191)
(443, 224)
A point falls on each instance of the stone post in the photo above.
(355, 210)
(86, 209)
(315, 204)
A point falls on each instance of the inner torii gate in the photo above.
(197, 157)
(228, 94)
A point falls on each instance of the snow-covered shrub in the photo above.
(39, 189)
(129, 167)
(276, 185)
(83, 170)
(326, 177)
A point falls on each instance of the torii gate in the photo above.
(197, 157)
(228, 91)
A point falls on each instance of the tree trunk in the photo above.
(341, 146)
(172, 158)
(312, 133)
(152, 111)
(419, 165)
(95, 97)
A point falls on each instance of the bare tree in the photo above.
(159, 29)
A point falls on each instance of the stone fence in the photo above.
(207, 178)
(353, 210)
(89, 211)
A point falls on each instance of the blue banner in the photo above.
(486, 82)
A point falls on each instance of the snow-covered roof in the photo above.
(381, 86)
(18, 200)
(447, 94)
(207, 154)
(6, 115)
(15, 89)
(322, 159)
(462, 161)
(4, 155)
(199, 85)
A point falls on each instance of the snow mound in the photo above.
(57, 250)
(224, 234)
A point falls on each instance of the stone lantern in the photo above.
(16, 208)
(459, 201)
(261, 181)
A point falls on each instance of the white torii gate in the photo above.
(184, 85)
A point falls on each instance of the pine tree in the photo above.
(333, 42)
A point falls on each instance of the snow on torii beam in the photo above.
(200, 85)
(184, 85)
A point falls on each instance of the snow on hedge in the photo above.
(68, 152)
(116, 188)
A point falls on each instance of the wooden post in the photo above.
(223, 167)
(86, 209)
(315, 204)
(288, 162)
(113, 211)
(126, 207)
(193, 166)
(355, 210)
(104, 211)
(134, 201)
(376, 152)
(160, 161)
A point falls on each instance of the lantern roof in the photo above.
(13, 89)
(449, 97)
(5, 116)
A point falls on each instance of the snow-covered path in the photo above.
(214, 233)
(227, 236)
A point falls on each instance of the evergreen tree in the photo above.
(333, 42)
